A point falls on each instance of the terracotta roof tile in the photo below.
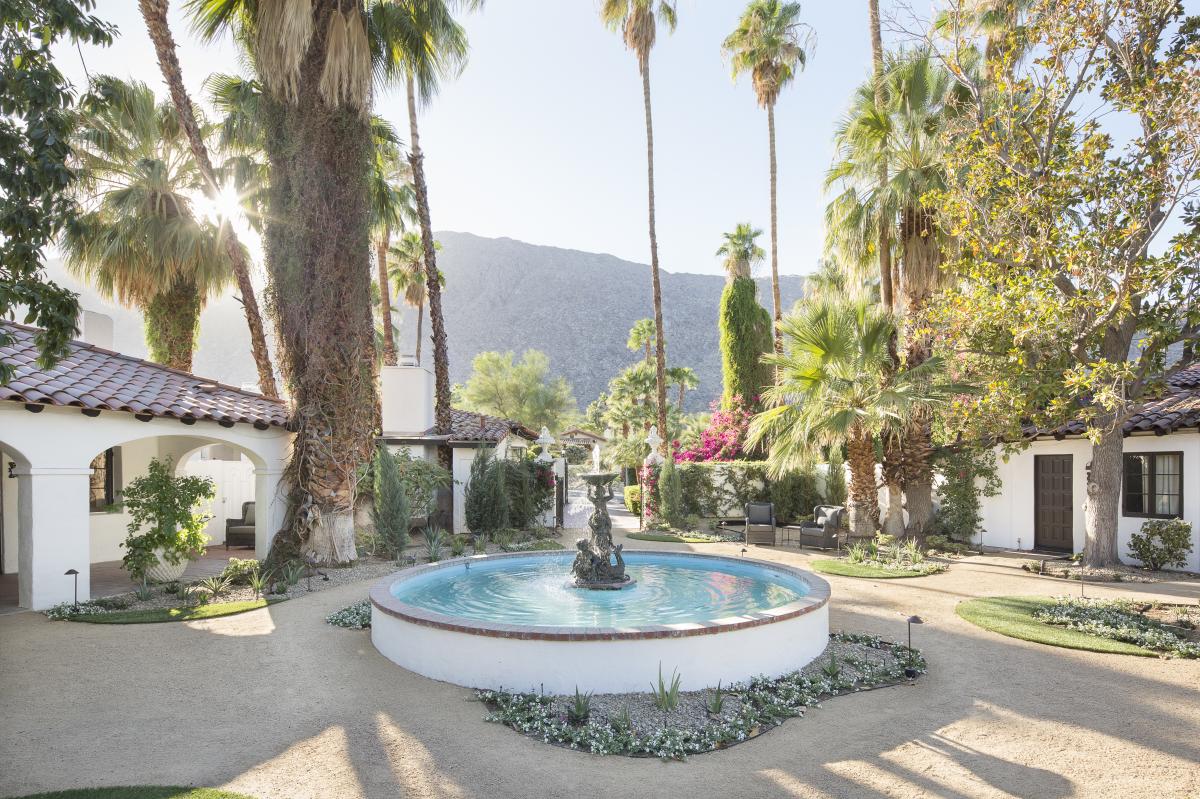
(470, 426)
(96, 378)
(1178, 407)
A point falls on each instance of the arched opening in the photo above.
(243, 482)
(11, 461)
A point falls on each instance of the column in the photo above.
(53, 532)
(270, 506)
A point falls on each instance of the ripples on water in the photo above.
(539, 592)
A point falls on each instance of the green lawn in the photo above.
(155, 615)
(139, 792)
(1013, 616)
(844, 568)
(668, 538)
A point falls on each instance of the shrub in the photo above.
(670, 494)
(239, 571)
(633, 499)
(486, 500)
(958, 515)
(162, 516)
(530, 487)
(389, 508)
(794, 495)
(835, 479)
(1162, 542)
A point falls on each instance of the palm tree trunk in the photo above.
(420, 333)
(154, 12)
(920, 276)
(385, 298)
(864, 499)
(886, 291)
(893, 479)
(433, 289)
(172, 319)
(777, 302)
(660, 344)
(317, 242)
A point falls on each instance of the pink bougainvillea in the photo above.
(648, 478)
(725, 437)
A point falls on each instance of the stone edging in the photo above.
(383, 600)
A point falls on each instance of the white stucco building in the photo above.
(1045, 485)
(72, 435)
(408, 404)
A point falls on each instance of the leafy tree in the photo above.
(837, 386)
(772, 44)
(520, 390)
(139, 239)
(1063, 183)
(637, 21)
(390, 511)
(745, 330)
(35, 178)
(154, 12)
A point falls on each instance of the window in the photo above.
(1153, 484)
(104, 481)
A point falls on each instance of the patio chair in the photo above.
(824, 531)
(240, 532)
(760, 523)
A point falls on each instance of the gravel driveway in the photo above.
(277, 704)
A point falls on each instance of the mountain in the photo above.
(577, 307)
(503, 294)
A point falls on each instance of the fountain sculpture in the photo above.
(599, 564)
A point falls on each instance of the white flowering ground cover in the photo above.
(853, 662)
(1117, 620)
(355, 617)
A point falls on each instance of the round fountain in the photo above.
(603, 620)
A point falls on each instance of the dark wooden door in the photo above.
(1053, 503)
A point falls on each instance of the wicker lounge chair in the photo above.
(240, 532)
(825, 530)
(760, 523)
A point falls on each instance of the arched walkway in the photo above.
(53, 452)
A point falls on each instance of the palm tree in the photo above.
(883, 243)
(920, 96)
(391, 211)
(421, 44)
(154, 12)
(641, 336)
(138, 239)
(741, 251)
(838, 385)
(772, 45)
(406, 270)
(685, 379)
(637, 22)
(314, 60)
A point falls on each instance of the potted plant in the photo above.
(165, 528)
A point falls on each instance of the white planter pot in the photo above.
(164, 571)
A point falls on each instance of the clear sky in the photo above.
(542, 138)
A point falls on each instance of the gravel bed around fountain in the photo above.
(632, 724)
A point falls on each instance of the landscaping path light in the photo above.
(909, 671)
(75, 574)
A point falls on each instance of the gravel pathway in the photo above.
(277, 704)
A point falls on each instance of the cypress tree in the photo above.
(745, 337)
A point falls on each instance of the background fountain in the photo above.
(599, 564)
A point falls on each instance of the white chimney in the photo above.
(96, 329)
(407, 394)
